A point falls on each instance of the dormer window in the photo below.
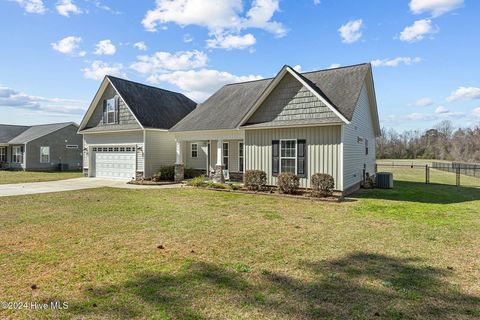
(110, 111)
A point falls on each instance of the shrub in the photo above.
(197, 182)
(213, 185)
(166, 173)
(322, 184)
(190, 173)
(288, 182)
(255, 180)
(234, 186)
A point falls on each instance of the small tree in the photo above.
(322, 184)
(255, 180)
(288, 182)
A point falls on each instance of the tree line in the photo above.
(443, 142)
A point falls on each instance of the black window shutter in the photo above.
(117, 110)
(275, 157)
(302, 158)
(104, 120)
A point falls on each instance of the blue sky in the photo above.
(55, 53)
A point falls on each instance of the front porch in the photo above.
(220, 155)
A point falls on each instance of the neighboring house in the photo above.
(125, 130)
(46, 147)
(314, 122)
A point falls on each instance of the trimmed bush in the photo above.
(288, 182)
(166, 173)
(255, 180)
(190, 173)
(322, 184)
(197, 182)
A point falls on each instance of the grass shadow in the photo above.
(421, 192)
(360, 285)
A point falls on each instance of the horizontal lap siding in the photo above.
(354, 152)
(323, 151)
(160, 150)
(200, 162)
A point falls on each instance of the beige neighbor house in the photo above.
(125, 129)
(324, 121)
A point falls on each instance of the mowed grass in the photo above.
(7, 177)
(407, 253)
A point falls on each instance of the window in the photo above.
(44, 154)
(194, 150)
(3, 154)
(109, 111)
(240, 157)
(72, 146)
(288, 156)
(225, 155)
(17, 155)
(366, 147)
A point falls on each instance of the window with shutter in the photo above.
(301, 158)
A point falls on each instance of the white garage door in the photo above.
(114, 162)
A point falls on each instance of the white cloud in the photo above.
(218, 16)
(232, 41)
(98, 69)
(32, 6)
(351, 31)
(298, 68)
(140, 46)
(418, 30)
(187, 38)
(11, 98)
(105, 47)
(316, 2)
(67, 45)
(441, 109)
(434, 7)
(67, 7)
(464, 93)
(423, 102)
(161, 62)
(395, 62)
(476, 112)
(334, 65)
(200, 84)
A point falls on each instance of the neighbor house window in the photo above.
(17, 154)
(72, 146)
(194, 150)
(240, 157)
(3, 154)
(288, 156)
(366, 147)
(110, 111)
(44, 154)
(225, 155)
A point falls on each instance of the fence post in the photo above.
(427, 174)
(458, 176)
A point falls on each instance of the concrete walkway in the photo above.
(71, 184)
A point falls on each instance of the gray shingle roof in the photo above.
(8, 132)
(153, 107)
(35, 132)
(228, 106)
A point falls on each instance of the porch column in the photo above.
(218, 176)
(179, 166)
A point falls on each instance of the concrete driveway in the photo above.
(69, 185)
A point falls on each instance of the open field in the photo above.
(406, 253)
(7, 177)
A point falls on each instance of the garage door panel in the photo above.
(111, 164)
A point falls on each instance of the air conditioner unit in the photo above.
(384, 180)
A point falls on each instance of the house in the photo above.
(125, 129)
(46, 147)
(324, 121)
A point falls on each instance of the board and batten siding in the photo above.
(324, 151)
(159, 151)
(127, 138)
(291, 101)
(354, 151)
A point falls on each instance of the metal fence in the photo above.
(448, 173)
(468, 169)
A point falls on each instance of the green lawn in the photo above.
(407, 253)
(29, 176)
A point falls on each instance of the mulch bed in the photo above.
(151, 183)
